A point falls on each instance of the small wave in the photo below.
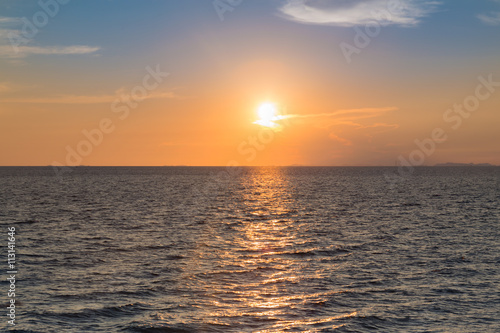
(93, 295)
(27, 221)
(370, 322)
(161, 329)
(108, 312)
(410, 204)
(337, 250)
(298, 253)
(447, 291)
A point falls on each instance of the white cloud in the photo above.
(8, 51)
(492, 19)
(348, 13)
(8, 21)
(10, 31)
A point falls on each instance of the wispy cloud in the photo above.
(347, 114)
(341, 140)
(83, 99)
(348, 13)
(22, 51)
(341, 124)
(11, 48)
(9, 20)
(6, 87)
(492, 18)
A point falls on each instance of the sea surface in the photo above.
(275, 249)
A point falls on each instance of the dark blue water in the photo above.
(257, 250)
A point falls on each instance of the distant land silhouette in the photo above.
(464, 164)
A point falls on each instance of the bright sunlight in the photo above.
(268, 115)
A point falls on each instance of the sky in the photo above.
(181, 82)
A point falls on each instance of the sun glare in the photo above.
(268, 115)
(267, 111)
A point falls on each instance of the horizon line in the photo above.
(249, 166)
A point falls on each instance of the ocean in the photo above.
(264, 249)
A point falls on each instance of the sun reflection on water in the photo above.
(251, 267)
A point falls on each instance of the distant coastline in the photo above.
(464, 164)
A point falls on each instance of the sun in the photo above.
(267, 111)
(268, 115)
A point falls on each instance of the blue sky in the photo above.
(134, 31)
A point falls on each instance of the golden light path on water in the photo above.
(251, 267)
